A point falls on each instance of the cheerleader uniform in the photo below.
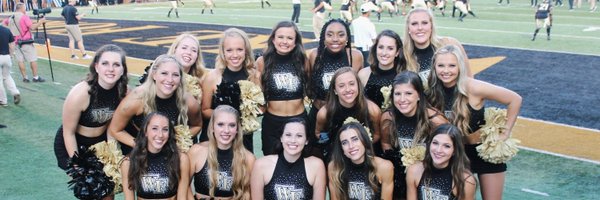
(167, 107)
(358, 182)
(100, 110)
(283, 84)
(424, 58)
(405, 127)
(437, 186)
(321, 78)
(155, 182)
(289, 181)
(224, 176)
(379, 78)
(477, 119)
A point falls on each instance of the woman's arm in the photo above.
(363, 75)
(127, 193)
(385, 173)
(321, 121)
(470, 187)
(76, 102)
(357, 60)
(128, 107)
(208, 89)
(374, 115)
(385, 124)
(333, 193)
(257, 183)
(194, 115)
(413, 175)
(320, 178)
(511, 99)
(183, 191)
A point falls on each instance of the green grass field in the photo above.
(27, 162)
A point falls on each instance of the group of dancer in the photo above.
(350, 141)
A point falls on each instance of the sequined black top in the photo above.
(378, 79)
(228, 78)
(358, 182)
(437, 186)
(165, 106)
(224, 176)
(155, 182)
(289, 181)
(284, 83)
(101, 108)
(477, 118)
(424, 58)
(321, 77)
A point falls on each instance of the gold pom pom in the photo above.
(183, 137)
(412, 155)
(251, 99)
(352, 119)
(493, 149)
(386, 91)
(109, 153)
(192, 86)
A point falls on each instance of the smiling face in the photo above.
(441, 150)
(352, 146)
(109, 69)
(187, 53)
(406, 99)
(447, 69)
(157, 133)
(293, 138)
(336, 37)
(419, 29)
(234, 51)
(167, 78)
(346, 88)
(225, 129)
(387, 51)
(284, 40)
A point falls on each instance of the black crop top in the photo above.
(405, 127)
(378, 79)
(155, 182)
(321, 77)
(358, 182)
(165, 106)
(284, 83)
(224, 176)
(477, 118)
(289, 181)
(424, 57)
(101, 108)
(437, 186)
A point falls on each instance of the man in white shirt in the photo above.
(364, 33)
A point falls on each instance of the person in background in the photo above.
(364, 33)
(543, 18)
(72, 18)
(6, 51)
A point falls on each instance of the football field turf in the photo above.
(559, 122)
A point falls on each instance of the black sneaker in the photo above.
(17, 99)
(39, 79)
(26, 80)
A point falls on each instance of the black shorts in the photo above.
(272, 128)
(62, 157)
(480, 166)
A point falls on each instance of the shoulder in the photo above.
(373, 107)
(387, 115)
(183, 157)
(249, 156)
(383, 164)
(312, 53)
(79, 93)
(364, 74)
(198, 148)
(267, 161)
(314, 163)
(415, 169)
(260, 64)
(449, 41)
(355, 53)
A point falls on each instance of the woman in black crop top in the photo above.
(346, 99)
(406, 123)
(354, 171)
(444, 173)
(289, 175)
(156, 169)
(221, 167)
(162, 92)
(281, 71)
(90, 104)
(422, 41)
(463, 98)
(334, 52)
(234, 63)
(386, 60)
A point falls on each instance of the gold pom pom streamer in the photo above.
(251, 99)
(352, 119)
(412, 155)
(192, 86)
(109, 153)
(183, 137)
(387, 102)
(493, 149)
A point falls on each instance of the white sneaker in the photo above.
(87, 57)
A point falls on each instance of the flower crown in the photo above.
(352, 119)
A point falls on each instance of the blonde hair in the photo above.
(409, 43)
(149, 87)
(241, 180)
(436, 94)
(198, 69)
(248, 64)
